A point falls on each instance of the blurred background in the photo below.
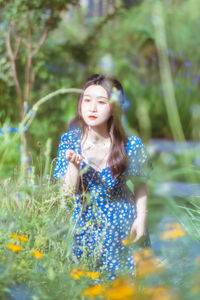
(152, 47)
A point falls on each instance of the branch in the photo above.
(24, 41)
(28, 67)
(41, 41)
(8, 45)
(17, 47)
(13, 65)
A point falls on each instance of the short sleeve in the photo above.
(140, 163)
(62, 162)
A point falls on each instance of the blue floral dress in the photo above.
(104, 207)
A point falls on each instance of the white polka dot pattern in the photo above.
(105, 207)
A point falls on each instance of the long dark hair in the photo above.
(117, 160)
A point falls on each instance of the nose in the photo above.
(93, 106)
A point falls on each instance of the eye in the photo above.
(86, 100)
(102, 102)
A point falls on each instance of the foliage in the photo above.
(36, 244)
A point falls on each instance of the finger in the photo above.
(133, 231)
(68, 157)
(69, 153)
(80, 157)
(77, 159)
(73, 158)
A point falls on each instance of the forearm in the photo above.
(141, 200)
(71, 179)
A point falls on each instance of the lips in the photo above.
(92, 117)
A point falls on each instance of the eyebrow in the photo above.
(86, 95)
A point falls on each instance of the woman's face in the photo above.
(95, 106)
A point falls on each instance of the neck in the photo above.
(95, 133)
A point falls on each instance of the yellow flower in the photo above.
(19, 237)
(76, 273)
(126, 241)
(120, 289)
(173, 234)
(175, 230)
(143, 254)
(174, 225)
(195, 288)
(149, 266)
(159, 292)
(147, 263)
(37, 254)
(93, 291)
(93, 275)
(14, 247)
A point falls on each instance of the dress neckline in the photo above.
(84, 161)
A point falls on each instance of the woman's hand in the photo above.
(73, 157)
(138, 229)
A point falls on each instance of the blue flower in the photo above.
(13, 129)
(19, 148)
(188, 91)
(197, 77)
(29, 169)
(126, 104)
(25, 128)
(30, 112)
(10, 129)
(187, 64)
(26, 107)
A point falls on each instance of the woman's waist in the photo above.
(107, 197)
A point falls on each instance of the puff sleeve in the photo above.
(140, 163)
(62, 162)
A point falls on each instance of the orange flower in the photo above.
(147, 263)
(22, 238)
(174, 225)
(143, 254)
(175, 231)
(126, 241)
(173, 234)
(93, 291)
(14, 247)
(37, 254)
(149, 266)
(195, 288)
(93, 275)
(159, 292)
(76, 273)
(120, 289)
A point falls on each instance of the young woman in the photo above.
(95, 160)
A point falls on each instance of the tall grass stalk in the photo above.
(47, 154)
(166, 80)
(26, 122)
